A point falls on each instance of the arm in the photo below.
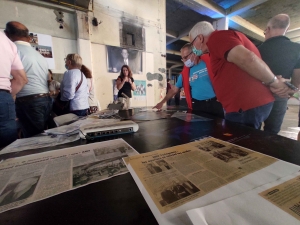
(18, 81)
(168, 96)
(69, 86)
(296, 78)
(120, 83)
(255, 67)
(133, 87)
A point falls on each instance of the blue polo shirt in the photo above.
(201, 87)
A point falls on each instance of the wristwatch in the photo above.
(272, 81)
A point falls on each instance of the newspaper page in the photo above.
(254, 206)
(177, 175)
(286, 196)
(38, 142)
(35, 177)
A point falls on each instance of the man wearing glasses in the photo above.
(283, 57)
(198, 89)
(242, 81)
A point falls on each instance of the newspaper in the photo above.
(177, 175)
(286, 196)
(38, 142)
(253, 208)
(35, 177)
(73, 128)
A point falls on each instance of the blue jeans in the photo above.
(251, 117)
(275, 119)
(33, 115)
(8, 126)
(83, 112)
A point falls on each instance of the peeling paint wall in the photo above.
(79, 35)
(148, 14)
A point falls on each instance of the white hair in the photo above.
(203, 27)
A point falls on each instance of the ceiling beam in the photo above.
(180, 35)
(296, 39)
(293, 33)
(238, 23)
(173, 52)
(171, 33)
(205, 7)
(243, 6)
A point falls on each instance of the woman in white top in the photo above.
(92, 101)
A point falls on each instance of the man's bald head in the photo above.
(277, 26)
(16, 31)
(280, 21)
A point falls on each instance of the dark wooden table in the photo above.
(118, 200)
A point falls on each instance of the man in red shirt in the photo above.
(242, 81)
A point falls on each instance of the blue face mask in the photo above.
(189, 63)
(197, 52)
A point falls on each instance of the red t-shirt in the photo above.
(235, 88)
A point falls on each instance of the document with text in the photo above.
(35, 177)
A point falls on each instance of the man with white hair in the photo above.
(283, 57)
(242, 81)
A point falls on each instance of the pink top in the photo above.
(9, 60)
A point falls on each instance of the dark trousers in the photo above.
(8, 127)
(210, 106)
(252, 117)
(275, 119)
(33, 115)
(83, 112)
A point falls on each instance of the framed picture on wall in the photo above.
(117, 57)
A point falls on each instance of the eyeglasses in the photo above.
(194, 40)
(184, 58)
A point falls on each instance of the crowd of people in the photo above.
(224, 75)
(29, 97)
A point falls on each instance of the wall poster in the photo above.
(140, 92)
(43, 44)
(117, 57)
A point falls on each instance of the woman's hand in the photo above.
(129, 80)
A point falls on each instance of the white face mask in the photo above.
(188, 63)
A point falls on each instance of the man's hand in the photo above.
(159, 105)
(280, 88)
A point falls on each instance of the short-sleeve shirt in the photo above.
(78, 99)
(36, 68)
(235, 88)
(9, 60)
(201, 87)
(281, 55)
(126, 89)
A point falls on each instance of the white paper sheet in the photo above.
(245, 209)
